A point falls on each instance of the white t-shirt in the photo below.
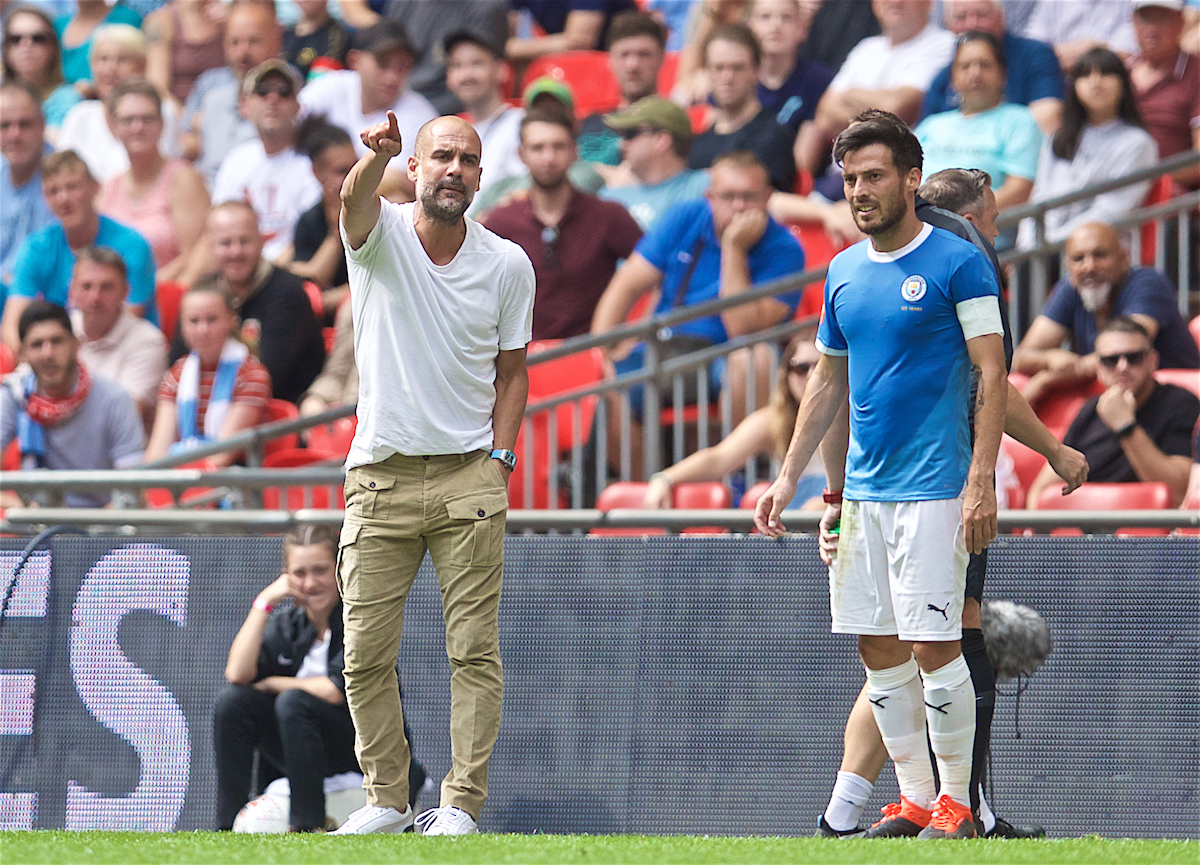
(316, 662)
(500, 138)
(85, 130)
(877, 64)
(280, 188)
(338, 96)
(426, 336)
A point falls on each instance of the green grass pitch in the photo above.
(126, 848)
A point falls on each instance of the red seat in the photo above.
(1188, 379)
(333, 437)
(1162, 190)
(818, 246)
(700, 116)
(297, 497)
(1026, 461)
(1109, 497)
(587, 72)
(667, 72)
(631, 494)
(314, 297)
(1194, 328)
(1058, 409)
(704, 495)
(329, 336)
(278, 409)
(624, 494)
(751, 496)
(12, 457)
(7, 362)
(167, 297)
(160, 497)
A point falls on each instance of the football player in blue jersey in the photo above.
(910, 314)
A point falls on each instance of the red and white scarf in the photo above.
(50, 411)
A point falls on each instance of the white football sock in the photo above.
(985, 813)
(897, 703)
(846, 802)
(950, 710)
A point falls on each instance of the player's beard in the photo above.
(442, 211)
(1094, 294)
(888, 219)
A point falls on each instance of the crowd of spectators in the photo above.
(154, 147)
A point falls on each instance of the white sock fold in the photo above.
(950, 711)
(985, 813)
(897, 703)
(846, 802)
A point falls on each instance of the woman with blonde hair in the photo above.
(214, 391)
(33, 56)
(164, 199)
(766, 431)
(118, 54)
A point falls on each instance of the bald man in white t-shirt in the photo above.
(443, 310)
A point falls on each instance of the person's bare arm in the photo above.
(824, 396)
(189, 203)
(748, 439)
(163, 433)
(320, 268)
(321, 687)
(512, 393)
(1047, 112)
(581, 32)
(904, 102)
(1045, 477)
(1022, 424)
(1042, 348)
(242, 664)
(360, 189)
(357, 13)
(1014, 191)
(159, 28)
(745, 230)
(810, 148)
(633, 279)
(979, 497)
(13, 307)
(240, 416)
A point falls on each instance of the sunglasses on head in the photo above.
(800, 367)
(39, 38)
(1133, 358)
(279, 88)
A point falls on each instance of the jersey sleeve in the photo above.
(365, 254)
(830, 339)
(31, 268)
(516, 301)
(781, 255)
(1022, 145)
(666, 238)
(974, 290)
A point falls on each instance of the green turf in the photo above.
(94, 848)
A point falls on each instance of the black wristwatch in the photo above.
(1127, 429)
(507, 457)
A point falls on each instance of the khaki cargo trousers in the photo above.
(454, 506)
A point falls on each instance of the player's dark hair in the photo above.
(40, 311)
(310, 534)
(631, 22)
(1065, 143)
(1125, 324)
(959, 190)
(880, 127)
(315, 135)
(739, 34)
(988, 39)
(549, 114)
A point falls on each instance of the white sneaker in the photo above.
(371, 820)
(447, 820)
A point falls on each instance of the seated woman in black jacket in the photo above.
(286, 696)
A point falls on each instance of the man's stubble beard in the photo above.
(442, 213)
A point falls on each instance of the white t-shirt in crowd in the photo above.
(500, 139)
(85, 130)
(876, 64)
(338, 96)
(280, 188)
(426, 336)
(316, 662)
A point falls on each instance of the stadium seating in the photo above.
(295, 497)
(1194, 328)
(586, 72)
(1058, 409)
(277, 410)
(1188, 379)
(702, 496)
(333, 437)
(160, 497)
(667, 72)
(750, 498)
(1108, 497)
(167, 297)
(1026, 462)
(690, 496)
(7, 361)
(314, 297)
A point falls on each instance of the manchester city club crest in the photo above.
(913, 288)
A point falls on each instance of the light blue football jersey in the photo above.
(896, 318)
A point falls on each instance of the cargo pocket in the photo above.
(479, 540)
(370, 493)
(347, 559)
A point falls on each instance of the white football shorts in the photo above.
(901, 569)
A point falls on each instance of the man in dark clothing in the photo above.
(278, 323)
(573, 239)
(732, 58)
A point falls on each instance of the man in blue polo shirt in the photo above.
(24, 209)
(717, 246)
(45, 259)
(908, 314)
(1034, 76)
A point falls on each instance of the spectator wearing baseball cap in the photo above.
(655, 140)
(380, 60)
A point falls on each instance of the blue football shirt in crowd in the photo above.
(896, 315)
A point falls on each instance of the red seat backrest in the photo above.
(623, 494)
(1058, 409)
(333, 437)
(278, 409)
(7, 361)
(1108, 497)
(296, 497)
(167, 297)
(588, 74)
(565, 374)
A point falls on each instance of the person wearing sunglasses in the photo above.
(268, 172)
(32, 56)
(1099, 284)
(1138, 429)
(764, 432)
